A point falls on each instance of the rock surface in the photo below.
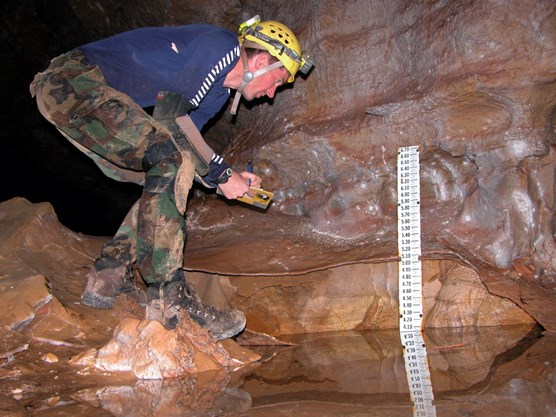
(355, 296)
(150, 351)
(472, 83)
(358, 296)
(42, 268)
(41, 282)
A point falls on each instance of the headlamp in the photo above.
(306, 64)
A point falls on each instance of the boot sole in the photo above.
(232, 331)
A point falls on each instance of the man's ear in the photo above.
(262, 60)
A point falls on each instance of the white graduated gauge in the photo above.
(410, 291)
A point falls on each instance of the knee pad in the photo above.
(159, 152)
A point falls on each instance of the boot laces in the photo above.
(196, 306)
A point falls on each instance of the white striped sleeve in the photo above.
(212, 75)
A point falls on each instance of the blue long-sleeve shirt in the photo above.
(192, 60)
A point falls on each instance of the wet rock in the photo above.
(12, 343)
(453, 78)
(49, 358)
(462, 300)
(22, 297)
(52, 401)
(251, 338)
(437, 76)
(42, 275)
(150, 351)
(361, 296)
(56, 325)
(126, 306)
(10, 407)
(239, 354)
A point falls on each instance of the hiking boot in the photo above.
(105, 285)
(178, 295)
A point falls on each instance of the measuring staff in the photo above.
(410, 292)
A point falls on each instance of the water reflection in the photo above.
(475, 372)
(418, 374)
(205, 395)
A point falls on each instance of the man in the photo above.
(95, 96)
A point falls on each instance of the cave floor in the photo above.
(489, 371)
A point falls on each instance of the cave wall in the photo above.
(361, 296)
(471, 82)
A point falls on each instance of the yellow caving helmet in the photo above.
(279, 41)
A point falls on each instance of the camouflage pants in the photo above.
(128, 145)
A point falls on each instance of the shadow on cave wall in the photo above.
(38, 164)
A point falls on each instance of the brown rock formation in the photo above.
(150, 351)
(40, 284)
(43, 295)
(472, 83)
(359, 296)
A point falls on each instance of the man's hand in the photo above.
(238, 185)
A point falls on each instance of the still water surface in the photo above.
(482, 372)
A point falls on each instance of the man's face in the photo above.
(266, 84)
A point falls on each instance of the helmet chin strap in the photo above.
(249, 76)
